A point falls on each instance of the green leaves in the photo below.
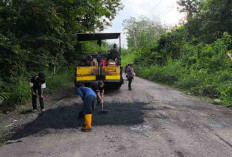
(40, 35)
(3, 97)
(211, 21)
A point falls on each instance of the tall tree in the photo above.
(213, 19)
(142, 32)
(191, 7)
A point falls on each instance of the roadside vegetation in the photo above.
(192, 57)
(40, 36)
(127, 57)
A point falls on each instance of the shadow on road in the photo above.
(65, 117)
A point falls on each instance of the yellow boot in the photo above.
(88, 122)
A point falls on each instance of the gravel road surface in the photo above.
(149, 121)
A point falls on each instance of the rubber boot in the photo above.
(88, 123)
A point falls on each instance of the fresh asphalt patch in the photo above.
(65, 117)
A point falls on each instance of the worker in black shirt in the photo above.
(101, 91)
(38, 84)
(98, 88)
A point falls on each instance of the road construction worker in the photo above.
(229, 55)
(99, 90)
(89, 98)
(94, 61)
(130, 74)
(126, 69)
(38, 84)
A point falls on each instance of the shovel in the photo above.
(102, 109)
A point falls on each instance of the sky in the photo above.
(163, 10)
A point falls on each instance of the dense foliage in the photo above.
(40, 35)
(207, 19)
(193, 56)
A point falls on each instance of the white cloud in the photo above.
(136, 2)
(164, 10)
(139, 11)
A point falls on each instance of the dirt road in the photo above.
(150, 120)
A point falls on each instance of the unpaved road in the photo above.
(150, 121)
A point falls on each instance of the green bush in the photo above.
(60, 79)
(226, 94)
(127, 57)
(224, 76)
(18, 94)
(165, 74)
(188, 82)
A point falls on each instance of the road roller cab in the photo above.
(100, 67)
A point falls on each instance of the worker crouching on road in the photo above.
(89, 98)
(38, 84)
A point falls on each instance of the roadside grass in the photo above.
(127, 57)
(56, 82)
(21, 92)
(215, 87)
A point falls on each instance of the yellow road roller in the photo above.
(100, 67)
